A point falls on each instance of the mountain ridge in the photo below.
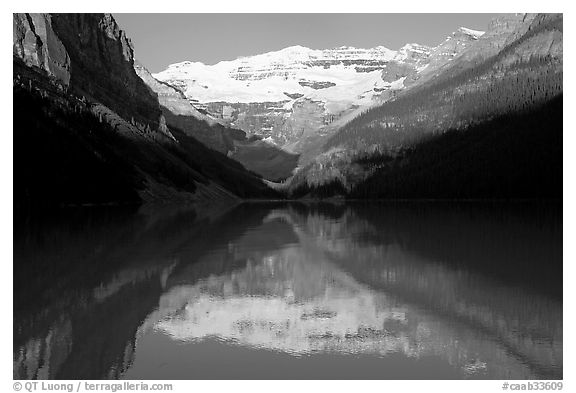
(292, 94)
(500, 84)
(347, 116)
(93, 132)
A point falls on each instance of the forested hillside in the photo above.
(87, 129)
(65, 153)
(511, 156)
(495, 114)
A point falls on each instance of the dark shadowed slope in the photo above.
(498, 99)
(514, 156)
(256, 155)
(88, 130)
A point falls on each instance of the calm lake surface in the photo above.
(290, 291)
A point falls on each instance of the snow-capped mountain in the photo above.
(276, 76)
(295, 93)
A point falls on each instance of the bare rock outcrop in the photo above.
(102, 66)
(36, 43)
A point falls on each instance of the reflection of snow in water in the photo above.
(264, 306)
(342, 320)
(305, 284)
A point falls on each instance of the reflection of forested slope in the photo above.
(84, 280)
(494, 269)
(479, 286)
(67, 283)
(495, 239)
(374, 279)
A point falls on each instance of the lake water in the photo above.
(290, 291)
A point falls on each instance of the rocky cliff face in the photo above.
(501, 31)
(36, 43)
(102, 66)
(89, 129)
(170, 97)
(455, 44)
(542, 38)
(180, 113)
(297, 93)
(90, 55)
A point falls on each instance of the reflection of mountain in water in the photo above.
(84, 280)
(417, 281)
(303, 298)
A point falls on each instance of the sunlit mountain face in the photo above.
(296, 96)
(310, 291)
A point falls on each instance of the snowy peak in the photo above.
(455, 44)
(295, 71)
(413, 52)
(472, 33)
(294, 49)
(285, 94)
(291, 58)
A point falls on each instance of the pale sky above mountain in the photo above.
(163, 39)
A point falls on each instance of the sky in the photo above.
(163, 39)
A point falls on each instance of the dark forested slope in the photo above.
(511, 156)
(486, 126)
(88, 130)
